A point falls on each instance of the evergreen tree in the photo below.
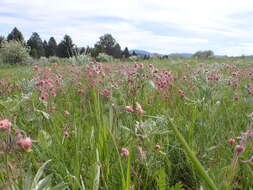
(107, 44)
(66, 48)
(36, 45)
(45, 47)
(87, 51)
(82, 50)
(134, 53)
(93, 52)
(116, 51)
(52, 46)
(15, 35)
(125, 53)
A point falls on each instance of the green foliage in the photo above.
(2, 40)
(36, 45)
(54, 59)
(81, 59)
(65, 48)
(125, 53)
(134, 58)
(177, 186)
(52, 47)
(39, 183)
(116, 51)
(108, 45)
(45, 48)
(13, 52)
(43, 61)
(203, 54)
(15, 35)
(190, 154)
(102, 57)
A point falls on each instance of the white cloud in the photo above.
(206, 24)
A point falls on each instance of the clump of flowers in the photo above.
(250, 89)
(13, 143)
(241, 146)
(138, 109)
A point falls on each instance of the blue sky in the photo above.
(162, 26)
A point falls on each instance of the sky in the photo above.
(161, 26)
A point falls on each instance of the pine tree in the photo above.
(116, 51)
(66, 48)
(82, 50)
(45, 47)
(15, 35)
(36, 45)
(125, 53)
(52, 46)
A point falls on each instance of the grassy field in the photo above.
(167, 124)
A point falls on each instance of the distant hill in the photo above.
(183, 55)
(143, 52)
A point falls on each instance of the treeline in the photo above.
(66, 48)
(105, 48)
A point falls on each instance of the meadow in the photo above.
(168, 124)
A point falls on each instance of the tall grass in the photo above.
(85, 126)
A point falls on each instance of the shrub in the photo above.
(43, 61)
(203, 54)
(134, 58)
(102, 57)
(81, 59)
(13, 53)
(54, 59)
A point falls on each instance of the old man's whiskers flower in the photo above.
(5, 125)
(25, 143)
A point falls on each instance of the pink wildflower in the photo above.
(65, 134)
(44, 96)
(129, 108)
(36, 68)
(5, 125)
(157, 147)
(25, 143)
(234, 74)
(231, 141)
(53, 94)
(106, 93)
(124, 152)
(139, 108)
(249, 133)
(181, 92)
(239, 148)
(66, 113)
